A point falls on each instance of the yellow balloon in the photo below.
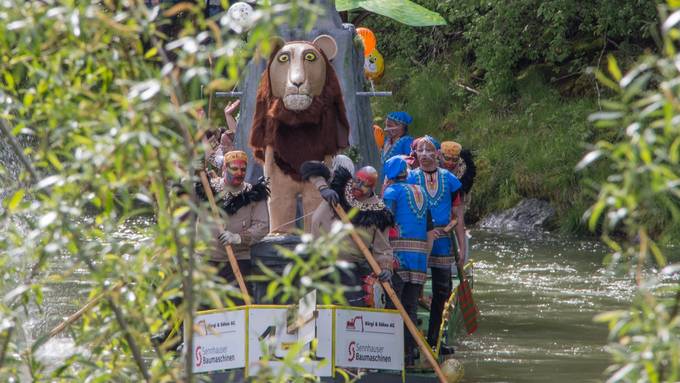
(453, 370)
(374, 65)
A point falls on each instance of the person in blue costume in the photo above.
(441, 188)
(397, 140)
(410, 244)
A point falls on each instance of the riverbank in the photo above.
(526, 148)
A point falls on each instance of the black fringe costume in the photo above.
(381, 218)
(257, 192)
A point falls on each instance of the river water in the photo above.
(537, 294)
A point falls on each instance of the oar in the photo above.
(464, 296)
(424, 347)
(227, 248)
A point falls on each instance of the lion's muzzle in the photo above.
(297, 102)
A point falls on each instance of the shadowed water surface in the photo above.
(538, 294)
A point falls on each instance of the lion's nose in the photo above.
(297, 77)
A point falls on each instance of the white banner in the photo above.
(268, 326)
(369, 339)
(219, 341)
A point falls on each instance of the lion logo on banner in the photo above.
(299, 116)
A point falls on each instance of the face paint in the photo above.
(393, 129)
(235, 172)
(449, 162)
(364, 182)
(427, 155)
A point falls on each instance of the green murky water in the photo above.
(538, 294)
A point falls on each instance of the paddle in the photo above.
(424, 347)
(465, 301)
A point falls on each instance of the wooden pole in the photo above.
(227, 248)
(424, 347)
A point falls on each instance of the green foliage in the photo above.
(642, 189)
(403, 11)
(109, 102)
(499, 39)
(524, 149)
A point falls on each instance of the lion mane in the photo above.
(299, 136)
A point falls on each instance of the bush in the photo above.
(499, 39)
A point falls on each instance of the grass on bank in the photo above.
(525, 148)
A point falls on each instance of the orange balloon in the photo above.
(379, 136)
(368, 38)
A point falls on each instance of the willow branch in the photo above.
(7, 132)
(5, 345)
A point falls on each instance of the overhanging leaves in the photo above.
(403, 11)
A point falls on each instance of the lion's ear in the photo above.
(275, 44)
(328, 45)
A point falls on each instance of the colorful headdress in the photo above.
(400, 117)
(451, 148)
(235, 155)
(431, 140)
(394, 167)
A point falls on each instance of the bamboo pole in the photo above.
(227, 248)
(424, 347)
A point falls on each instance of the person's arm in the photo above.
(229, 114)
(318, 174)
(322, 219)
(430, 232)
(382, 250)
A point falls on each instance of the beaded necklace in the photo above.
(362, 206)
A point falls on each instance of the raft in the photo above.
(236, 337)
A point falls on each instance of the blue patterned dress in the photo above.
(401, 146)
(410, 208)
(440, 187)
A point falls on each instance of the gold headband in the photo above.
(235, 155)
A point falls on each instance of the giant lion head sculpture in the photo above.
(300, 105)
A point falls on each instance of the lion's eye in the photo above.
(283, 58)
(310, 56)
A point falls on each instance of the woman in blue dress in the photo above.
(410, 244)
(397, 140)
(441, 188)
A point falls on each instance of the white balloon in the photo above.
(240, 16)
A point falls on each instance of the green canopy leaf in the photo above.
(403, 11)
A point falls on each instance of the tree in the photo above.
(642, 190)
(105, 101)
